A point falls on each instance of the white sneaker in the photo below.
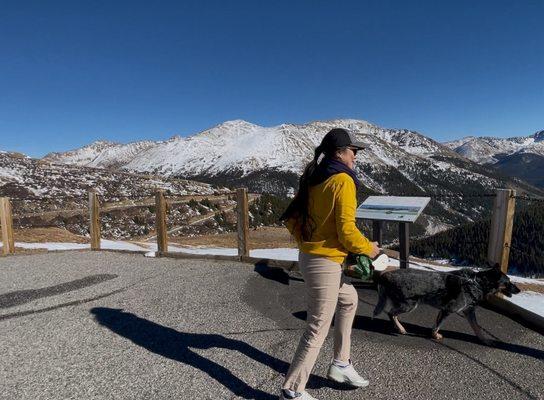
(304, 396)
(346, 375)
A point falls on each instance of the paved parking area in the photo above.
(102, 325)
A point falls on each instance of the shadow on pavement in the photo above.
(176, 345)
(20, 297)
(385, 327)
(275, 274)
(58, 306)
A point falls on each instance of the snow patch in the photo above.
(529, 300)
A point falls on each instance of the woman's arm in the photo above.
(345, 205)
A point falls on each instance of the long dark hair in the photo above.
(298, 208)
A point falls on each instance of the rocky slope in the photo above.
(44, 194)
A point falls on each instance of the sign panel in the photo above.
(392, 208)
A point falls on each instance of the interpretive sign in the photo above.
(392, 208)
(404, 210)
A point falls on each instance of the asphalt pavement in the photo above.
(104, 325)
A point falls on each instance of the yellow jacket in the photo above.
(332, 207)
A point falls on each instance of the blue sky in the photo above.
(72, 72)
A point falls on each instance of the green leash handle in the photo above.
(360, 266)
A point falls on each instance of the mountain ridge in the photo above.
(484, 149)
(270, 159)
(284, 136)
(522, 157)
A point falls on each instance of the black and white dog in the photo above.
(458, 291)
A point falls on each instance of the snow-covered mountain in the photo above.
(522, 157)
(36, 185)
(490, 150)
(270, 159)
(103, 154)
(244, 147)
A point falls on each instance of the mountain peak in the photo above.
(102, 143)
(347, 123)
(539, 136)
(237, 123)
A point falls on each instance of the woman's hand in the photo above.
(375, 250)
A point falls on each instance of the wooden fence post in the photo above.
(6, 220)
(242, 209)
(94, 220)
(160, 222)
(500, 235)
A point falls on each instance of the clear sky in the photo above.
(72, 72)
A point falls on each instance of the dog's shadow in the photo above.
(178, 346)
(385, 327)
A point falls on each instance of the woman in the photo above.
(321, 217)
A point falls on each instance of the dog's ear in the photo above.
(493, 266)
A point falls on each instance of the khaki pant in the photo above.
(326, 293)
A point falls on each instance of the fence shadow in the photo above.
(177, 346)
(21, 297)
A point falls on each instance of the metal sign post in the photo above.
(404, 244)
(404, 210)
(377, 232)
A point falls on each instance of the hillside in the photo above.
(45, 194)
(467, 244)
(526, 166)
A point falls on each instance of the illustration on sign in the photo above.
(392, 208)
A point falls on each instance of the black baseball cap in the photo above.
(339, 137)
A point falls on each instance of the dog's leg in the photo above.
(397, 323)
(470, 314)
(382, 301)
(400, 309)
(439, 319)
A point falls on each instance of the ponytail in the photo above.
(298, 208)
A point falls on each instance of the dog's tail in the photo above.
(382, 300)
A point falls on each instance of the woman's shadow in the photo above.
(176, 345)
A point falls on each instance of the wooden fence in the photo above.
(498, 246)
(161, 212)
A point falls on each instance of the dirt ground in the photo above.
(260, 238)
(42, 235)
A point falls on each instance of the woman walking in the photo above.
(321, 217)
